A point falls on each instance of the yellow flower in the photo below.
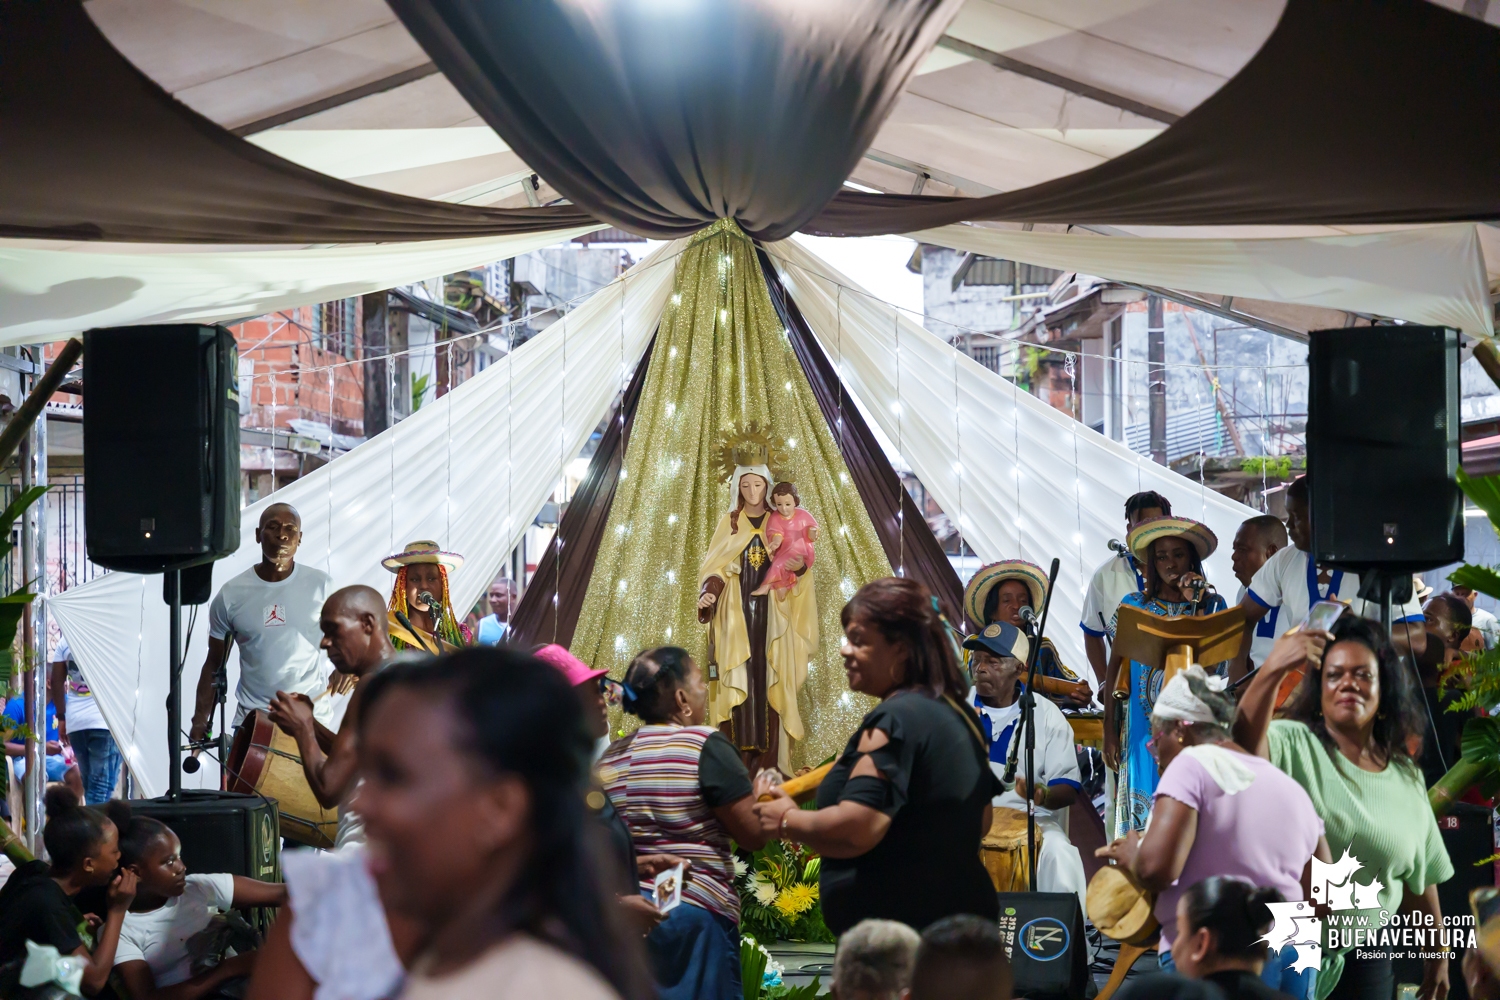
(796, 899)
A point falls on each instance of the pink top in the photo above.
(1265, 833)
(793, 531)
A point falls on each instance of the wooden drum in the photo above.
(1003, 851)
(1120, 907)
(265, 760)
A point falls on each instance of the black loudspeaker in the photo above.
(197, 584)
(1044, 939)
(161, 446)
(1383, 448)
(222, 831)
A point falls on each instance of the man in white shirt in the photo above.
(1258, 539)
(1486, 624)
(1118, 576)
(1291, 583)
(999, 656)
(273, 610)
(81, 725)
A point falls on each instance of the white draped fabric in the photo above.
(51, 290)
(1432, 275)
(1022, 479)
(469, 470)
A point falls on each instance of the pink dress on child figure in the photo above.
(794, 545)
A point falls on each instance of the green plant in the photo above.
(1270, 466)
(760, 975)
(13, 605)
(419, 387)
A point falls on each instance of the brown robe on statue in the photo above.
(754, 727)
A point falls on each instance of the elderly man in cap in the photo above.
(998, 593)
(999, 654)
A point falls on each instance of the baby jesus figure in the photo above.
(790, 534)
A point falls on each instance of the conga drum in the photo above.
(1003, 851)
(264, 761)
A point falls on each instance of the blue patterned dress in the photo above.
(1135, 785)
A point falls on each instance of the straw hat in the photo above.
(422, 551)
(991, 576)
(1193, 532)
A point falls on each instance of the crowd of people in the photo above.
(493, 840)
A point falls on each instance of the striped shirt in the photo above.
(652, 779)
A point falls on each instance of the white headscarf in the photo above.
(742, 470)
(1177, 703)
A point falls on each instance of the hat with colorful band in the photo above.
(1193, 532)
(991, 576)
(423, 551)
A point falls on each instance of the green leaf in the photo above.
(18, 507)
(1480, 578)
(1485, 492)
(752, 968)
(1481, 740)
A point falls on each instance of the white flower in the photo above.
(740, 868)
(764, 890)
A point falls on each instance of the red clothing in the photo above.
(795, 544)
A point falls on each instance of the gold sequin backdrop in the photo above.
(721, 359)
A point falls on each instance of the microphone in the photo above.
(191, 765)
(1028, 618)
(1117, 546)
(428, 599)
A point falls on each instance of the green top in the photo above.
(1381, 817)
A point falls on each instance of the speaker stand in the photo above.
(173, 584)
(1127, 957)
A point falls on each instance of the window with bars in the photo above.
(335, 327)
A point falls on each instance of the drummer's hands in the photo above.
(1039, 796)
(1123, 850)
(1297, 650)
(292, 712)
(770, 813)
(341, 683)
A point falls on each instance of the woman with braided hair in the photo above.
(421, 609)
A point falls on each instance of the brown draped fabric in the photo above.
(1377, 112)
(537, 619)
(907, 540)
(92, 149)
(661, 117)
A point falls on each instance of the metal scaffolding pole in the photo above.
(1156, 376)
(33, 461)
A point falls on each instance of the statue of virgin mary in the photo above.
(759, 647)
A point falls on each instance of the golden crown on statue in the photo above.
(752, 444)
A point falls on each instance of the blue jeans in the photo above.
(695, 955)
(1276, 973)
(98, 763)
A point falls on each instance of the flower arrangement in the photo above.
(779, 894)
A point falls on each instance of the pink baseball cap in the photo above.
(575, 670)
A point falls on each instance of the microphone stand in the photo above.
(1028, 708)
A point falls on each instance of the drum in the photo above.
(264, 761)
(1003, 851)
(1120, 907)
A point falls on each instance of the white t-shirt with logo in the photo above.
(1111, 582)
(82, 711)
(276, 628)
(1284, 583)
(1056, 760)
(1265, 633)
(162, 938)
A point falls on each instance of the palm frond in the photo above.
(1485, 492)
(1480, 578)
